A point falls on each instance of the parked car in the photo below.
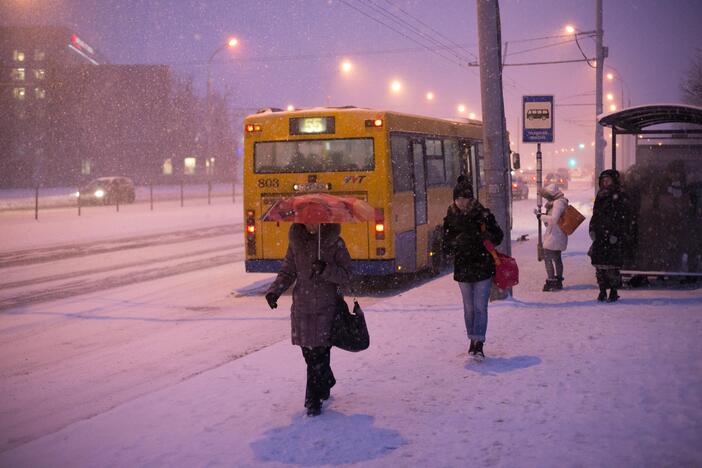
(520, 188)
(108, 191)
(554, 178)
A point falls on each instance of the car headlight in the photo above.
(99, 193)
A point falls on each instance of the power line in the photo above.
(393, 17)
(524, 51)
(345, 2)
(432, 29)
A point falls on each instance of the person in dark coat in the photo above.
(611, 233)
(466, 225)
(314, 299)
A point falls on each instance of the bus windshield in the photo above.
(314, 156)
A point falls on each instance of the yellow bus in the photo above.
(404, 165)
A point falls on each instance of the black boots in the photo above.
(478, 352)
(603, 295)
(559, 282)
(554, 284)
(613, 296)
(314, 408)
(476, 349)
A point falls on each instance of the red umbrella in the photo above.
(319, 208)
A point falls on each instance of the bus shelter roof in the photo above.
(635, 120)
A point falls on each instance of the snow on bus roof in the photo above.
(317, 110)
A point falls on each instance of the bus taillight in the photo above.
(379, 224)
(251, 232)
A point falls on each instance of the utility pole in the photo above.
(495, 144)
(599, 130)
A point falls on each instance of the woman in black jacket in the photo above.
(466, 225)
(611, 228)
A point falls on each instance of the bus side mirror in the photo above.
(515, 161)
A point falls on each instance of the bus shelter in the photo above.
(664, 187)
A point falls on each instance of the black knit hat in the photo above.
(611, 173)
(463, 188)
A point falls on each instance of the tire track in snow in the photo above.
(84, 286)
(62, 252)
(121, 266)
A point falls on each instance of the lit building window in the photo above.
(85, 167)
(209, 166)
(189, 165)
(168, 167)
(39, 73)
(18, 56)
(18, 74)
(39, 93)
(19, 93)
(39, 54)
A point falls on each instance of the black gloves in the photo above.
(318, 267)
(272, 300)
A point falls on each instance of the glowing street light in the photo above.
(569, 29)
(581, 146)
(610, 97)
(430, 96)
(346, 66)
(610, 76)
(230, 43)
(461, 108)
(395, 86)
(291, 107)
(471, 116)
(612, 107)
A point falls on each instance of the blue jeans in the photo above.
(475, 302)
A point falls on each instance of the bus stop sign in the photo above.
(537, 115)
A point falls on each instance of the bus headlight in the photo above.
(99, 193)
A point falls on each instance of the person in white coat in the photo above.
(555, 240)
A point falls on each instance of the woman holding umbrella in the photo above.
(317, 262)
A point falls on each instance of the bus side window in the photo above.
(453, 160)
(401, 173)
(436, 172)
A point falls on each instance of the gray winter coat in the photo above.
(314, 298)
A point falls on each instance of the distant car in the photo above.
(529, 177)
(558, 179)
(108, 191)
(563, 172)
(520, 188)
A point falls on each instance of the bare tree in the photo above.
(691, 84)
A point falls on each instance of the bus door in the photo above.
(469, 163)
(420, 203)
(420, 183)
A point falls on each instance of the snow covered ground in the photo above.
(567, 381)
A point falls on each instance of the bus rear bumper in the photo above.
(360, 267)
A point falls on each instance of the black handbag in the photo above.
(349, 331)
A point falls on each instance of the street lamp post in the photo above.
(625, 144)
(231, 43)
